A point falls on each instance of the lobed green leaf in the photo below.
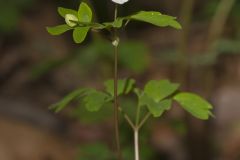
(95, 100)
(158, 90)
(155, 108)
(194, 104)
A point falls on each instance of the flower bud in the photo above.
(115, 42)
(71, 20)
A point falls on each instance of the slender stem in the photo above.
(136, 130)
(128, 119)
(116, 113)
(136, 144)
(137, 115)
(144, 120)
(116, 12)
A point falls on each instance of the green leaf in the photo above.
(155, 108)
(84, 13)
(95, 100)
(124, 86)
(63, 11)
(67, 99)
(57, 30)
(80, 33)
(156, 18)
(194, 104)
(158, 90)
(158, 109)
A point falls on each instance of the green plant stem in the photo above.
(128, 119)
(136, 129)
(136, 143)
(145, 118)
(136, 133)
(116, 112)
(137, 115)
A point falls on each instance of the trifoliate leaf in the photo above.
(124, 86)
(156, 18)
(64, 11)
(158, 90)
(80, 33)
(57, 30)
(194, 104)
(84, 13)
(95, 100)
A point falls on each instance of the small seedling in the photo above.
(156, 97)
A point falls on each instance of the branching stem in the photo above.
(145, 118)
(128, 119)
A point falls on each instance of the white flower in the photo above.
(71, 20)
(120, 1)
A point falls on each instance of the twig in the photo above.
(116, 113)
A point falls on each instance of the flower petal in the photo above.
(120, 1)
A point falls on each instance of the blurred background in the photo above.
(37, 70)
